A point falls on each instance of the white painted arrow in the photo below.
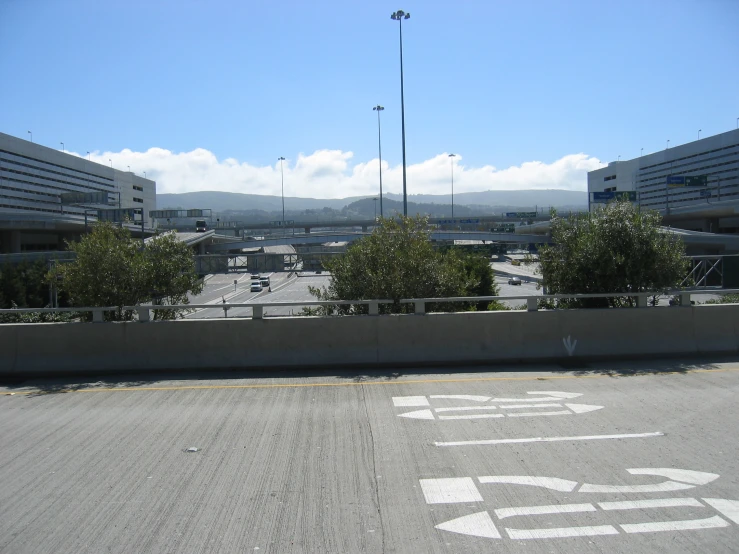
(476, 525)
(553, 395)
(583, 408)
(418, 414)
(428, 414)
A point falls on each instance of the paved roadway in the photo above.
(286, 287)
(609, 458)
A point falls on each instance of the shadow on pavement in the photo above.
(38, 386)
(631, 368)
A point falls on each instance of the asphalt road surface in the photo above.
(635, 457)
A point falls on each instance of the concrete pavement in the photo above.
(610, 458)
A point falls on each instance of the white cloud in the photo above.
(330, 174)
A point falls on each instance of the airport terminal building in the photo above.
(695, 186)
(34, 177)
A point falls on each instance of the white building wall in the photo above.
(32, 178)
(717, 157)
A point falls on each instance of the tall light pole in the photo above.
(282, 180)
(399, 16)
(451, 159)
(62, 146)
(641, 153)
(88, 155)
(144, 174)
(378, 109)
(30, 133)
(699, 133)
(375, 199)
(111, 163)
(668, 144)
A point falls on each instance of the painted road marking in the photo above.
(563, 532)
(465, 408)
(410, 401)
(684, 525)
(551, 483)
(471, 416)
(521, 406)
(535, 414)
(450, 491)
(471, 397)
(480, 524)
(656, 503)
(477, 525)
(492, 442)
(689, 480)
(729, 508)
(541, 510)
(553, 395)
(535, 403)
(394, 382)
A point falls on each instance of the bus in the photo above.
(201, 226)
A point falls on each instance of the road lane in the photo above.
(327, 464)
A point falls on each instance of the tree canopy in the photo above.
(112, 269)
(398, 261)
(616, 248)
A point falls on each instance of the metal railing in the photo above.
(373, 306)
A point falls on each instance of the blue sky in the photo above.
(207, 95)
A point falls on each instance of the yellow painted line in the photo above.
(361, 383)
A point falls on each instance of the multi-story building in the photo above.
(708, 201)
(32, 180)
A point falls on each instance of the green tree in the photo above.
(398, 261)
(112, 269)
(615, 249)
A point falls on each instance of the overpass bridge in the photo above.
(364, 224)
(316, 238)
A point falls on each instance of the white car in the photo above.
(256, 286)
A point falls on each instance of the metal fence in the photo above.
(143, 312)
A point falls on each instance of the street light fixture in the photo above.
(282, 180)
(111, 163)
(668, 144)
(62, 146)
(641, 153)
(30, 133)
(451, 159)
(88, 155)
(399, 16)
(129, 168)
(378, 109)
(699, 133)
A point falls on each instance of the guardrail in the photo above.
(532, 303)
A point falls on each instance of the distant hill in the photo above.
(476, 202)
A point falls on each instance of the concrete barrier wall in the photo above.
(456, 338)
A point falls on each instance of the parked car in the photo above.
(514, 281)
(256, 286)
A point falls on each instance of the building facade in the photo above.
(707, 202)
(33, 178)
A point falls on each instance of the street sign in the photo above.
(696, 181)
(522, 215)
(706, 194)
(84, 197)
(690, 181)
(629, 195)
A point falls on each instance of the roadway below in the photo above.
(628, 457)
